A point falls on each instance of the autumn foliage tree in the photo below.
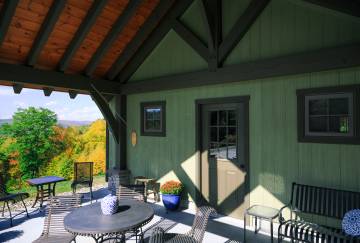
(33, 131)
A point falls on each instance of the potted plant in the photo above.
(170, 192)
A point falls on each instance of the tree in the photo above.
(33, 131)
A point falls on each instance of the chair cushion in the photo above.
(308, 232)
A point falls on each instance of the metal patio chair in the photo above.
(132, 192)
(83, 175)
(157, 235)
(58, 208)
(196, 234)
(6, 197)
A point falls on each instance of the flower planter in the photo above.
(171, 201)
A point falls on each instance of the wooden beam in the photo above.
(140, 37)
(154, 39)
(46, 28)
(117, 28)
(6, 14)
(208, 24)
(56, 80)
(314, 61)
(47, 91)
(241, 27)
(72, 94)
(81, 33)
(350, 7)
(104, 107)
(18, 88)
(189, 37)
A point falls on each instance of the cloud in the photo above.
(51, 103)
(6, 91)
(20, 104)
(86, 113)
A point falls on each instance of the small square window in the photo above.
(328, 115)
(153, 119)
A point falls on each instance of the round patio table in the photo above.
(90, 221)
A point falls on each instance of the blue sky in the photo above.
(82, 108)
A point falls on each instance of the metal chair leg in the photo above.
(27, 213)
(3, 210)
(11, 222)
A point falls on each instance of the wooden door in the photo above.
(224, 165)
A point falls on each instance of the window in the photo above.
(328, 115)
(153, 119)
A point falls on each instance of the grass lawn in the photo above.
(64, 186)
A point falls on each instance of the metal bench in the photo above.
(313, 200)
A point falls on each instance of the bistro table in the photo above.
(261, 212)
(41, 193)
(149, 183)
(90, 221)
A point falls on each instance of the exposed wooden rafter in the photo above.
(241, 27)
(350, 7)
(104, 107)
(47, 91)
(314, 61)
(6, 14)
(208, 24)
(57, 80)
(154, 39)
(81, 33)
(119, 25)
(17, 88)
(140, 37)
(45, 30)
(189, 37)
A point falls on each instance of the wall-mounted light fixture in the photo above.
(133, 138)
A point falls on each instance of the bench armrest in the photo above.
(281, 218)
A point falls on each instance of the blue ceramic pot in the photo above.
(171, 201)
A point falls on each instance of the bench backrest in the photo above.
(327, 202)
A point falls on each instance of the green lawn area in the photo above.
(64, 186)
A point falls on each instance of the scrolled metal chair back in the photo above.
(157, 235)
(58, 208)
(83, 172)
(200, 222)
(131, 192)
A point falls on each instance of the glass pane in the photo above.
(318, 107)
(222, 151)
(222, 118)
(232, 151)
(157, 125)
(222, 134)
(231, 135)
(339, 106)
(213, 149)
(157, 114)
(318, 124)
(232, 118)
(213, 134)
(339, 124)
(149, 125)
(149, 115)
(213, 118)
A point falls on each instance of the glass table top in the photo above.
(263, 212)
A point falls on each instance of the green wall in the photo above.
(276, 158)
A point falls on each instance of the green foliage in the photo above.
(33, 131)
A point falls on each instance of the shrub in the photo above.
(171, 187)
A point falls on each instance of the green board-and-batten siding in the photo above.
(276, 157)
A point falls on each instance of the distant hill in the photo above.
(63, 123)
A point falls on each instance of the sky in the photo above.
(82, 108)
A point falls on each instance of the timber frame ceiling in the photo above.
(67, 44)
(85, 46)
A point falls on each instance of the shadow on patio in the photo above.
(220, 229)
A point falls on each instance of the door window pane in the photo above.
(232, 118)
(232, 151)
(222, 135)
(213, 118)
(222, 118)
(318, 107)
(318, 124)
(339, 106)
(222, 151)
(214, 134)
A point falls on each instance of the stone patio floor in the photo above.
(220, 228)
